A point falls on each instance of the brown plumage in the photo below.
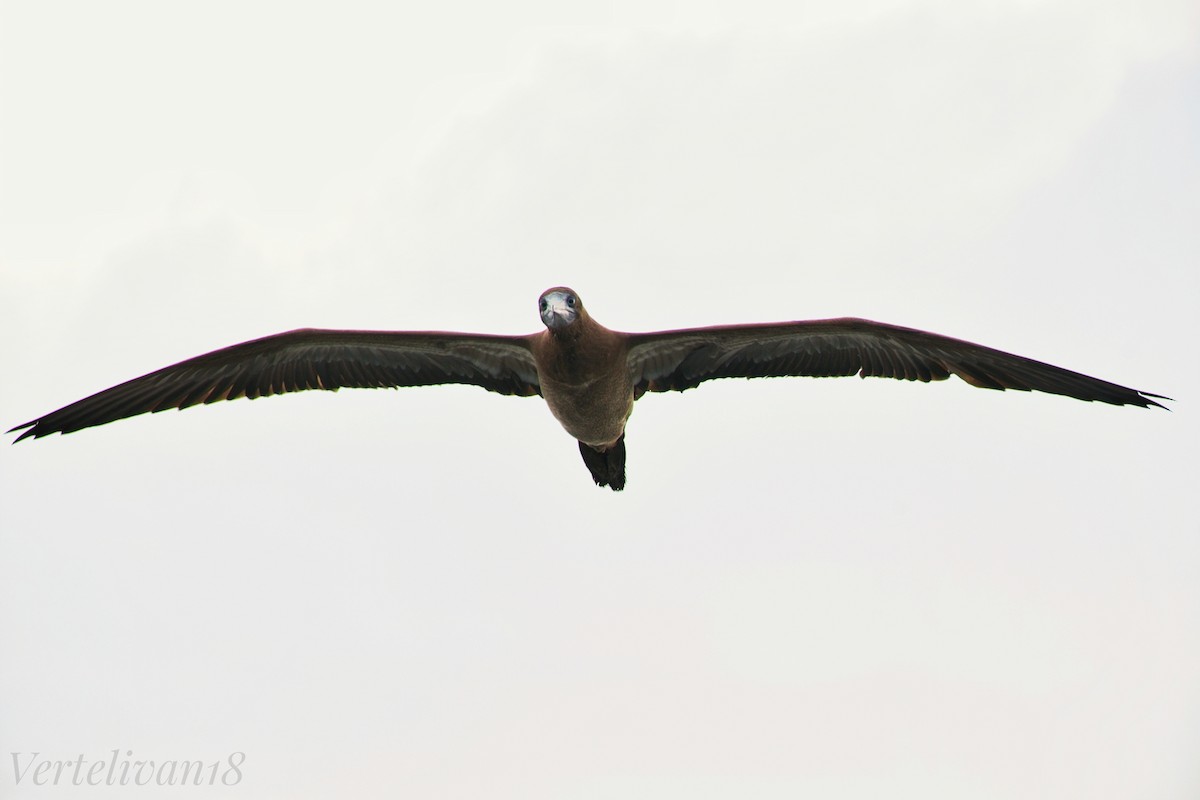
(588, 375)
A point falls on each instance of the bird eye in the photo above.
(571, 301)
(542, 304)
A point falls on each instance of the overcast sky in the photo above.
(835, 588)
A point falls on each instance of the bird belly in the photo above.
(594, 412)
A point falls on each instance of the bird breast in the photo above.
(593, 411)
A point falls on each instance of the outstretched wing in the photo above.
(307, 359)
(679, 360)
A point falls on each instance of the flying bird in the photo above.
(588, 375)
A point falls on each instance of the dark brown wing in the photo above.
(308, 359)
(679, 360)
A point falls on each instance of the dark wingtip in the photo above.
(1149, 402)
(31, 432)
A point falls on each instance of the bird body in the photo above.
(588, 375)
(583, 379)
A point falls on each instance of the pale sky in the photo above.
(835, 588)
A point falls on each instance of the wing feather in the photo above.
(307, 359)
(683, 359)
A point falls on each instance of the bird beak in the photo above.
(557, 313)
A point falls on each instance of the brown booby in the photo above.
(588, 375)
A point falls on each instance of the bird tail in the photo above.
(607, 467)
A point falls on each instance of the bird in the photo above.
(588, 375)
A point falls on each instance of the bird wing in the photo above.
(679, 360)
(308, 359)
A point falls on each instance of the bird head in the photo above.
(560, 308)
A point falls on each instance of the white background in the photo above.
(836, 589)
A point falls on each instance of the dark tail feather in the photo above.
(607, 468)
